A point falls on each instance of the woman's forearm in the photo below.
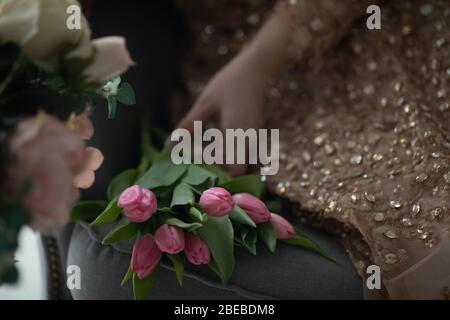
(268, 50)
(299, 31)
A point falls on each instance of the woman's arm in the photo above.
(297, 30)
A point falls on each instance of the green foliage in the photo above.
(110, 214)
(218, 233)
(240, 216)
(87, 210)
(142, 287)
(267, 233)
(120, 182)
(178, 266)
(182, 195)
(245, 184)
(124, 230)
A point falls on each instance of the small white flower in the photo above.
(111, 88)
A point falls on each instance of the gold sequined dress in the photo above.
(364, 125)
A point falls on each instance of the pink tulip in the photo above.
(283, 228)
(255, 208)
(196, 250)
(216, 202)
(146, 256)
(138, 204)
(169, 239)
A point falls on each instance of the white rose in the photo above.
(53, 34)
(111, 58)
(40, 27)
(18, 20)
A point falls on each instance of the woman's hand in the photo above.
(234, 98)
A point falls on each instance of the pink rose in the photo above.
(283, 228)
(49, 155)
(146, 256)
(111, 58)
(216, 202)
(196, 250)
(255, 208)
(82, 125)
(94, 159)
(169, 239)
(138, 204)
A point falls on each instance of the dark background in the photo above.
(156, 33)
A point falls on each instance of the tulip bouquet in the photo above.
(194, 214)
(51, 79)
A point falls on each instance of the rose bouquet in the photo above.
(193, 214)
(51, 79)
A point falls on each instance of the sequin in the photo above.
(379, 216)
(390, 234)
(356, 159)
(421, 177)
(447, 177)
(395, 204)
(407, 222)
(426, 9)
(369, 197)
(415, 209)
(390, 258)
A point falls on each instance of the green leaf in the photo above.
(141, 288)
(218, 233)
(87, 210)
(195, 214)
(182, 195)
(165, 218)
(197, 175)
(112, 107)
(162, 173)
(127, 276)
(240, 216)
(246, 184)
(217, 171)
(123, 231)
(126, 94)
(213, 265)
(267, 233)
(110, 214)
(304, 241)
(120, 182)
(249, 237)
(178, 265)
(274, 205)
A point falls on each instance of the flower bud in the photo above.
(216, 202)
(255, 208)
(169, 239)
(138, 204)
(146, 256)
(283, 228)
(196, 250)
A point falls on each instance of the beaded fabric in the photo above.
(365, 133)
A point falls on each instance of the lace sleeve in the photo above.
(319, 24)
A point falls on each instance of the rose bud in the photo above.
(284, 229)
(146, 256)
(138, 204)
(196, 250)
(216, 202)
(169, 239)
(255, 208)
